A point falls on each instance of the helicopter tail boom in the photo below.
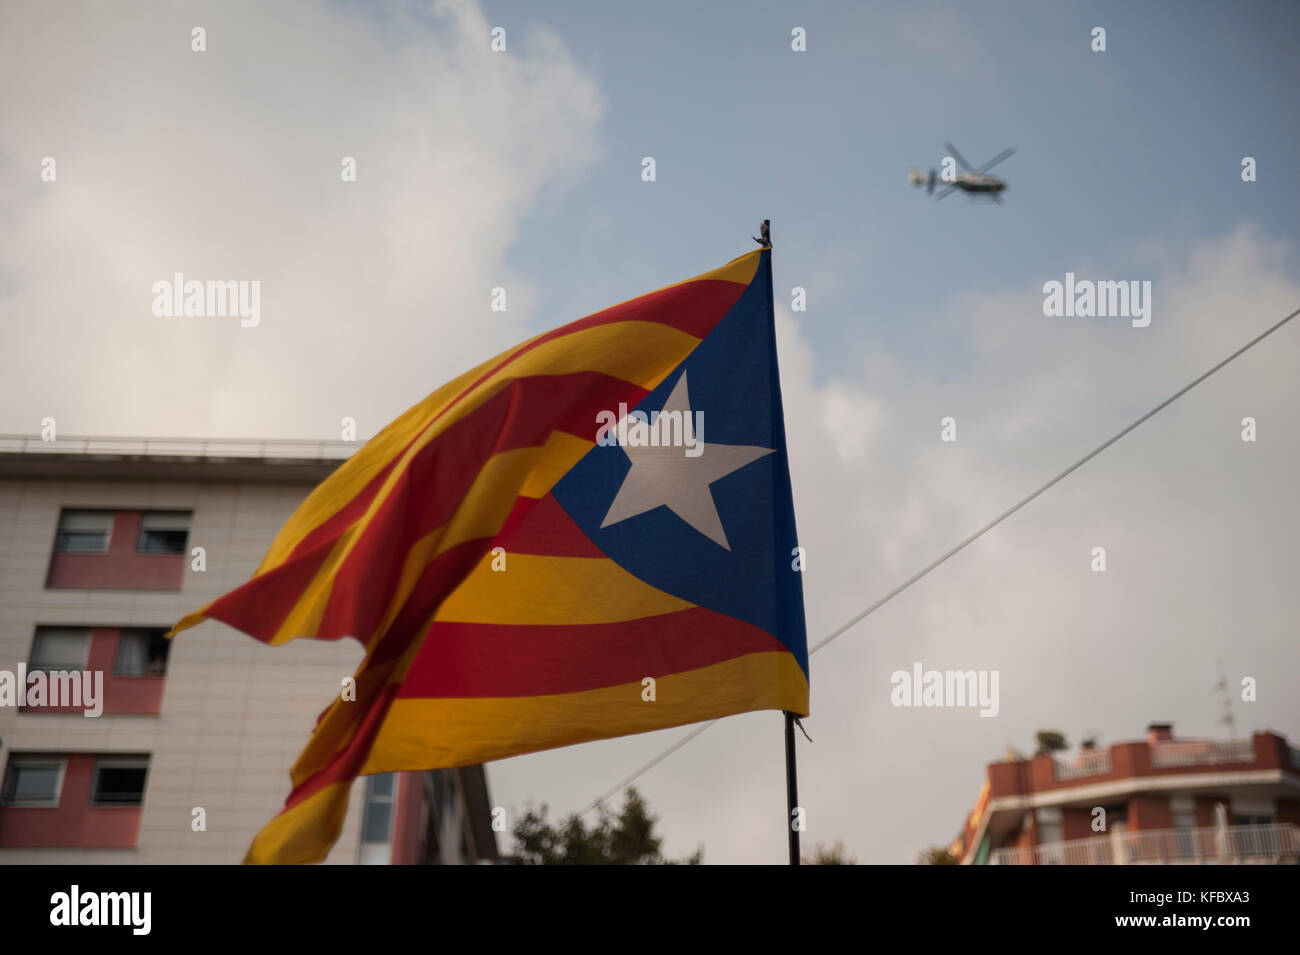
(918, 178)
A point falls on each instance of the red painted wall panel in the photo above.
(1288, 811)
(1076, 823)
(74, 823)
(1150, 811)
(121, 568)
(123, 695)
(407, 816)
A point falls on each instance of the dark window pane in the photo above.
(379, 785)
(81, 543)
(31, 783)
(376, 821)
(163, 532)
(84, 532)
(119, 785)
(58, 648)
(162, 542)
(142, 653)
(374, 828)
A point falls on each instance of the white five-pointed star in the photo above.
(667, 476)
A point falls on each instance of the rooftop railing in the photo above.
(1201, 752)
(182, 447)
(1089, 762)
(1275, 843)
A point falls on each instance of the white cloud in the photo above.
(226, 165)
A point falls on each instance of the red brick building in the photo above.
(1158, 800)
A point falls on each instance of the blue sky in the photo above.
(1113, 149)
(1125, 161)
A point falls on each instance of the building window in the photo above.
(439, 791)
(163, 532)
(377, 820)
(59, 648)
(84, 532)
(1250, 810)
(444, 791)
(32, 781)
(142, 653)
(1248, 819)
(119, 781)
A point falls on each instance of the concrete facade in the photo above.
(235, 713)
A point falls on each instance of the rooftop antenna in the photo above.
(1227, 719)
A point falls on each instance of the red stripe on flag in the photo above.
(545, 529)
(260, 606)
(430, 490)
(691, 307)
(478, 660)
(347, 763)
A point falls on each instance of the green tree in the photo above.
(626, 839)
(936, 855)
(1049, 741)
(832, 855)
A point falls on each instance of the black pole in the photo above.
(764, 239)
(791, 788)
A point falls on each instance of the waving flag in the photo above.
(588, 536)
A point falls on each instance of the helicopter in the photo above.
(975, 182)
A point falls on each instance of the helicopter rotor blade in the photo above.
(959, 157)
(941, 194)
(995, 160)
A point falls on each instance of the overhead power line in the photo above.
(849, 624)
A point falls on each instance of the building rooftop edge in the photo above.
(188, 459)
(269, 448)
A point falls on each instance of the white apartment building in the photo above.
(104, 545)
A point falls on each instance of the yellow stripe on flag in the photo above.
(555, 590)
(533, 471)
(305, 832)
(643, 353)
(463, 731)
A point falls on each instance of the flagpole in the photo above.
(791, 788)
(764, 239)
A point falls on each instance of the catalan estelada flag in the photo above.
(588, 536)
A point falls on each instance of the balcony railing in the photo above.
(1089, 762)
(1211, 844)
(182, 447)
(1201, 752)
